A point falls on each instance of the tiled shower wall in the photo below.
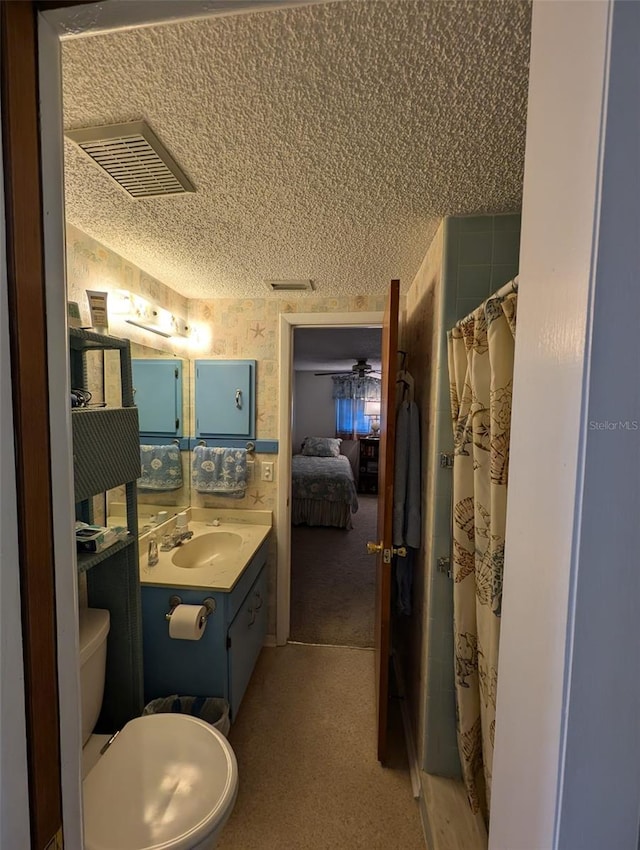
(479, 255)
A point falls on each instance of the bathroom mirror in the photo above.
(162, 386)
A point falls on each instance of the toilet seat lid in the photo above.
(165, 782)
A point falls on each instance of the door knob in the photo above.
(373, 548)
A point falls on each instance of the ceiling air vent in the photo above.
(290, 285)
(134, 157)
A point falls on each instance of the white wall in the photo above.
(313, 407)
(567, 761)
(14, 800)
(601, 783)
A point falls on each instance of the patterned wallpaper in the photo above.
(248, 329)
(92, 266)
(226, 329)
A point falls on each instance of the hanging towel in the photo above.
(220, 471)
(406, 498)
(161, 468)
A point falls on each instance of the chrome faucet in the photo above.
(175, 538)
(180, 535)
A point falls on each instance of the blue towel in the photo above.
(220, 471)
(161, 468)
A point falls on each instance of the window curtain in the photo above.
(350, 392)
(481, 373)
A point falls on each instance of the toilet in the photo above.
(166, 782)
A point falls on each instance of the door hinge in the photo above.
(446, 460)
(228, 642)
(177, 424)
(176, 373)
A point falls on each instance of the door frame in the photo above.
(33, 401)
(54, 23)
(288, 322)
(528, 808)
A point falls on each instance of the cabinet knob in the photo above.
(239, 399)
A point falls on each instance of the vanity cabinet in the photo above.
(221, 662)
(158, 396)
(225, 393)
(106, 454)
(245, 638)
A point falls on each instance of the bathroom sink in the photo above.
(206, 548)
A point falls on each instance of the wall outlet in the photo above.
(267, 470)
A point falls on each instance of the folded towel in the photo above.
(161, 468)
(220, 471)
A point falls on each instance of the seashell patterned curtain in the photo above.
(351, 393)
(480, 350)
(353, 386)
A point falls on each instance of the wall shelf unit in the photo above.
(87, 560)
(106, 452)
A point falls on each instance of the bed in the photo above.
(323, 491)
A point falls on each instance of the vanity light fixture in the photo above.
(137, 311)
(180, 327)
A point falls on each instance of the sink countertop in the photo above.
(222, 575)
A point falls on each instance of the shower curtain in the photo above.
(480, 350)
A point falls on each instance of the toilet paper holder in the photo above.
(209, 603)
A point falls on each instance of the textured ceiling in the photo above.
(335, 348)
(325, 142)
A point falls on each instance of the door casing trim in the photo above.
(288, 322)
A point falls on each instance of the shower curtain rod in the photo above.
(506, 289)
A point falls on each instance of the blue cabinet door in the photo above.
(245, 640)
(225, 398)
(158, 397)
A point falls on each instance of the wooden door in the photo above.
(28, 344)
(383, 544)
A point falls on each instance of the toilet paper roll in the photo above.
(185, 622)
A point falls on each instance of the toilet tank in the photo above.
(94, 628)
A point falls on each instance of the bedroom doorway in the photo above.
(335, 428)
(326, 588)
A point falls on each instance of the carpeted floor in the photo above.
(305, 743)
(333, 581)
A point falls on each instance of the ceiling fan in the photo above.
(360, 368)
